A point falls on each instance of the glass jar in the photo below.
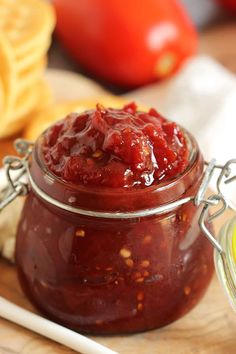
(105, 261)
(225, 263)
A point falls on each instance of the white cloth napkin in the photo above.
(202, 98)
(9, 218)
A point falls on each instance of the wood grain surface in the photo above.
(220, 43)
(6, 148)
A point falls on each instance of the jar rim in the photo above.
(75, 198)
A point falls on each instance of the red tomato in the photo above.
(229, 4)
(128, 43)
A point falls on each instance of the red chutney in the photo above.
(104, 275)
(116, 148)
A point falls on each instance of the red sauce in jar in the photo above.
(102, 275)
(116, 148)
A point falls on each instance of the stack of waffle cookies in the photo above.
(26, 28)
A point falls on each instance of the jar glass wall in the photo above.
(106, 276)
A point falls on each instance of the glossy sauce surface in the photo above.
(116, 148)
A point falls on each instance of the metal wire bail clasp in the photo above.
(15, 169)
(217, 200)
(226, 176)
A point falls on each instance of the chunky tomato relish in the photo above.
(108, 275)
(116, 148)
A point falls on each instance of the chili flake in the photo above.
(80, 233)
(125, 253)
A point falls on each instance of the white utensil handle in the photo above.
(51, 330)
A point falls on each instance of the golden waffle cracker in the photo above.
(8, 75)
(26, 22)
(32, 75)
(44, 119)
(45, 97)
(1, 98)
(34, 55)
(32, 102)
(14, 121)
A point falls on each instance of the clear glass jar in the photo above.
(225, 263)
(113, 275)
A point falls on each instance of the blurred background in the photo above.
(215, 21)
